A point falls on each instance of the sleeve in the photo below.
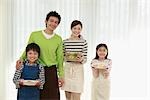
(23, 56)
(109, 65)
(41, 76)
(60, 59)
(17, 77)
(94, 63)
(95, 72)
(85, 46)
(64, 49)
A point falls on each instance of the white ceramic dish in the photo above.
(30, 82)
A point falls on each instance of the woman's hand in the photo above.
(79, 58)
(18, 64)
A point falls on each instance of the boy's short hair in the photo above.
(55, 14)
(34, 47)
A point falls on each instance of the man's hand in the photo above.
(18, 64)
(60, 82)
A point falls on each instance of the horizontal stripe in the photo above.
(76, 46)
(75, 50)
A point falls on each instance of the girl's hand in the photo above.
(106, 73)
(19, 64)
(95, 72)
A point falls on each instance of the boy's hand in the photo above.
(21, 82)
(18, 64)
(38, 84)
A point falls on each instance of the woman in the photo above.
(75, 51)
(51, 56)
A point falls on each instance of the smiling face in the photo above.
(76, 30)
(32, 56)
(102, 52)
(52, 23)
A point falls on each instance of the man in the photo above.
(51, 57)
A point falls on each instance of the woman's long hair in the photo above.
(76, 22)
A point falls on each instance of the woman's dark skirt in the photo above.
(51, 89)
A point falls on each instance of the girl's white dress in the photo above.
(101, 84)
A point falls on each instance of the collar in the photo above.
(26, 62)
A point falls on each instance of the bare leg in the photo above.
(68, 95)
(75, 96)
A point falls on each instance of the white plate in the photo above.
(101, 66)
(30, 82)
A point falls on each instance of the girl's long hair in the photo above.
(98, 46)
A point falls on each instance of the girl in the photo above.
(101, 66)
(75, 50)
(29, 79)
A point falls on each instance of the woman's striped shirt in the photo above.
(76, 46)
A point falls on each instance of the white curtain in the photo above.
(5, 44)
(122, 24)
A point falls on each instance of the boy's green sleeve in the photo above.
(23, 56)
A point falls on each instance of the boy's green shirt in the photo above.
(51, 50)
